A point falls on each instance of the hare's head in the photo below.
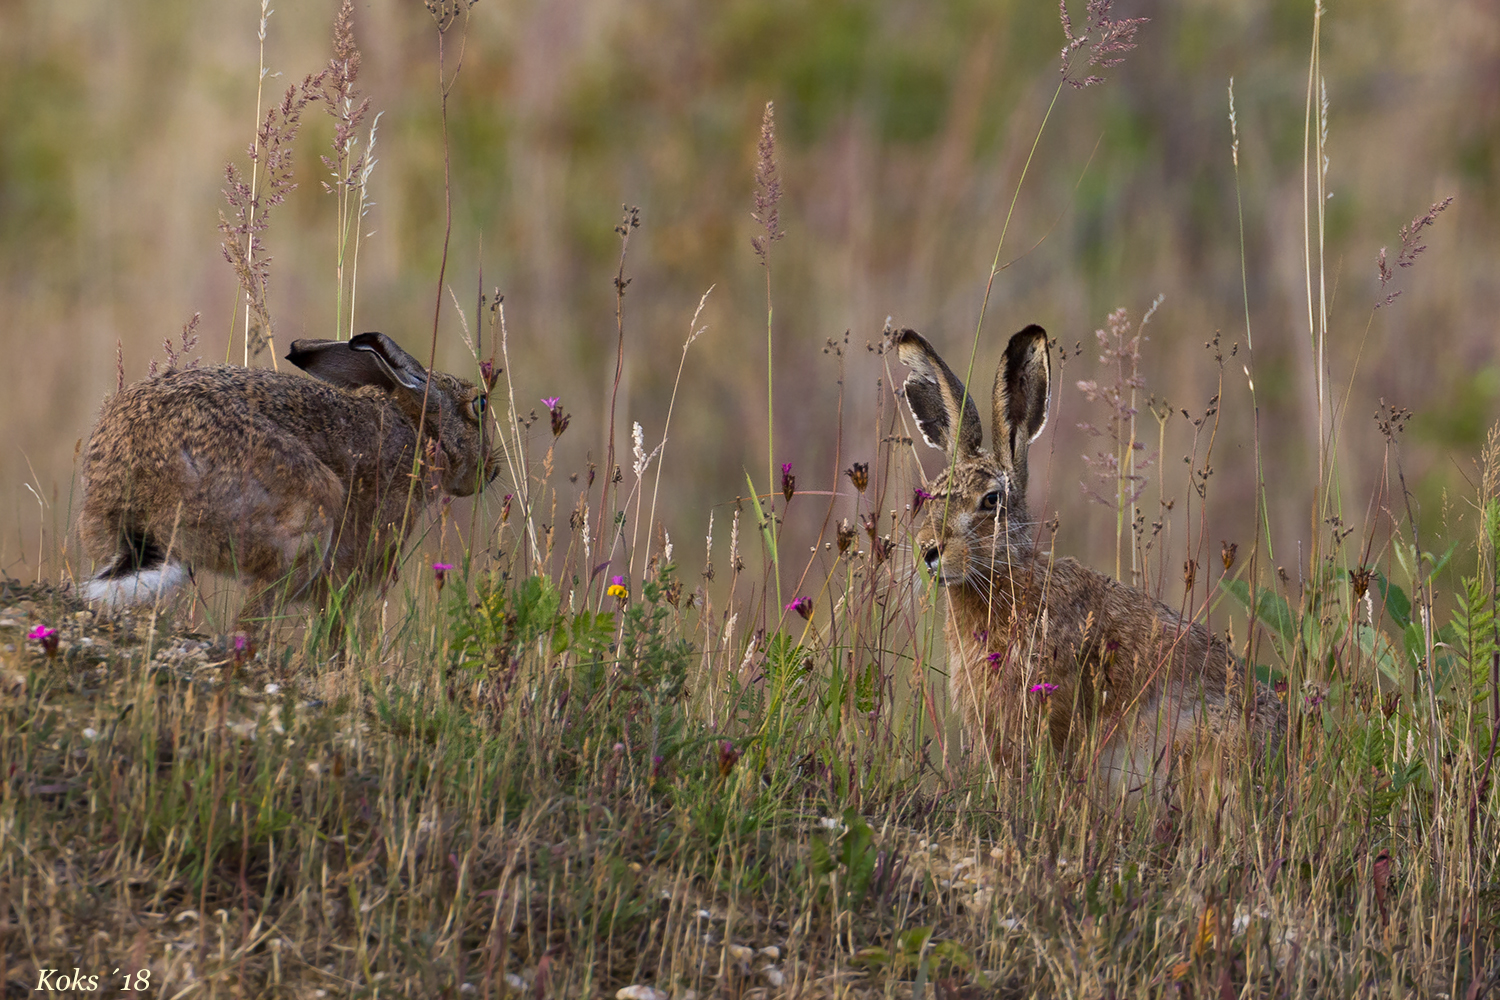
(455, 420)
(977, 512)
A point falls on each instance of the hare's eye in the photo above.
(990, 500)
(478, 405)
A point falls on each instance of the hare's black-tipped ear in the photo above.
(934, 393)
(1023, 392)
(368, 359)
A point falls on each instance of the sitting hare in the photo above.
(1037, 643)
(297, 484)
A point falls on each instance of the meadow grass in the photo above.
(563, 758)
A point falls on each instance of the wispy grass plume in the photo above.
(1102, 42)
(1120, 469)
(350, 168)
(1411, 247)
(270, 182)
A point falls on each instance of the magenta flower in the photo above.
(487, 372)
(1043, 689)
(440, 572)
(46, 637)
(555, 411)
(241, 642)
(728, 757)
(788, 481)
(918, 498)
(802, 605)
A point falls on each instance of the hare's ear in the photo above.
(1023, 392)
(934, 394)
(368, 359)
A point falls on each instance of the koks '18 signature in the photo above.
(56, 980)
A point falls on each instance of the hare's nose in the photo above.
(931, 558)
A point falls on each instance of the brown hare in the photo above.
(1044, 647)
(296, 484)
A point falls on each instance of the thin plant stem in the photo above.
(693, 332)
(628, 223)
(260, 85)
(445, 86)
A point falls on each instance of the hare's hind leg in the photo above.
(306, 555)
(287, 544)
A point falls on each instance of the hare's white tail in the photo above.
(139, 574)
(139, 587)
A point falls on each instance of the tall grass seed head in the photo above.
(767, 187)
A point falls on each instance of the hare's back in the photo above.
(219, 415)
(226, 442)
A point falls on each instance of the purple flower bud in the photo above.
(46, 637)
(728, 757)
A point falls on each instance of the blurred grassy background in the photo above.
(903, 130)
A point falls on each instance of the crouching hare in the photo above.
(296, 484)
(1043, 647)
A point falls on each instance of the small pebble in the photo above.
(639, 992)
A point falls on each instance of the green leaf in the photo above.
(762, 521)
(1416, 646)
(953, 953)
(1439, 563)
(914, 940)
(1397, 604)
(822, 857)
(1270, 608)
(858, 854)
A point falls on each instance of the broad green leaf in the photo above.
(1270, 608)
(1397, 604)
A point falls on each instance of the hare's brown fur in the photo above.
(1157, 690)
(293, 483)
